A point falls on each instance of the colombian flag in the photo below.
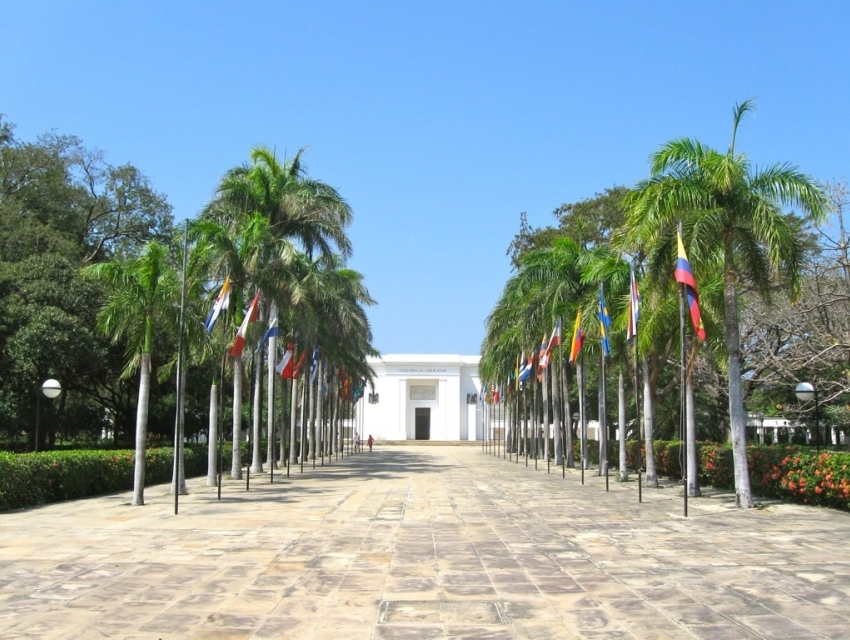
(685, 276)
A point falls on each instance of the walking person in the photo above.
(370, 441)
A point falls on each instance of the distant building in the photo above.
(423, 397)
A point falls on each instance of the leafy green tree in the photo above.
(47, 330)
(731, 214)
(589, 223)
(56, 195)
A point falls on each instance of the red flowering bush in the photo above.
(785, 472)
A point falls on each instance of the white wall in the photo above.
(452, 376)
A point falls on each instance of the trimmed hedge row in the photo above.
(31, 479)
(784, 472)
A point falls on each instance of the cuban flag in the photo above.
(250, 316)
(685, 276)
(221, 302)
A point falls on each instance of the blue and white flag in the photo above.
(271, 332)
(314, 365)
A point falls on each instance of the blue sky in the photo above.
(439, 122)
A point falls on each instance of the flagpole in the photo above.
(582, 410)
(601, 398)
(221, 400)
(634, 295)
(559, 413)
(637, 417)
(682, 417)
(181, 386)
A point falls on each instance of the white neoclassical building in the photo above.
(423, 397)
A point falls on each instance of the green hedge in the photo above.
(37, 478)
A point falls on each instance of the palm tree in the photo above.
(733, 215)
(548, 285)
(290, 212)
(140, 292)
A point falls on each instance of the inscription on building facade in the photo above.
(423, 392)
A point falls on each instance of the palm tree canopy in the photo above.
(141, 292)
(729, 211)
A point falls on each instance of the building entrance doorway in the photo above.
(423, 423)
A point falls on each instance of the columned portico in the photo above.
(422, 397)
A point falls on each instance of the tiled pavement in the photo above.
(423, 542)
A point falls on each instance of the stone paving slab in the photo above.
(424, 542)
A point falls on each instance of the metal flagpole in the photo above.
(221, 401)
(682, 418)
(582, 414)
(181, 386)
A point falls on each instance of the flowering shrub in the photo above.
(785, 472)
(37, 478)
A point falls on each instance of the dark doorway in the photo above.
(423, 423)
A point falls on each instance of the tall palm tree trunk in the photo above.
(546, 413)
(284, 432)
(691, 439)
(319, 409)
(142, 430)
(178, 479)
(293, 415)
(582, 412)
(256, 430)
(270, 394)
(310, 399)
(650, 478)
(568, 418)
(236, 458)
(737, 415)
(212, 438)
(603, 421)
(556, 410)
(621, 421)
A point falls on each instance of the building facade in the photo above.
(423, 397)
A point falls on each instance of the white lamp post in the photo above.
(50, 388)
(807, 391)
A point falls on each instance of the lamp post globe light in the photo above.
(50, 388)
(807, 391)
